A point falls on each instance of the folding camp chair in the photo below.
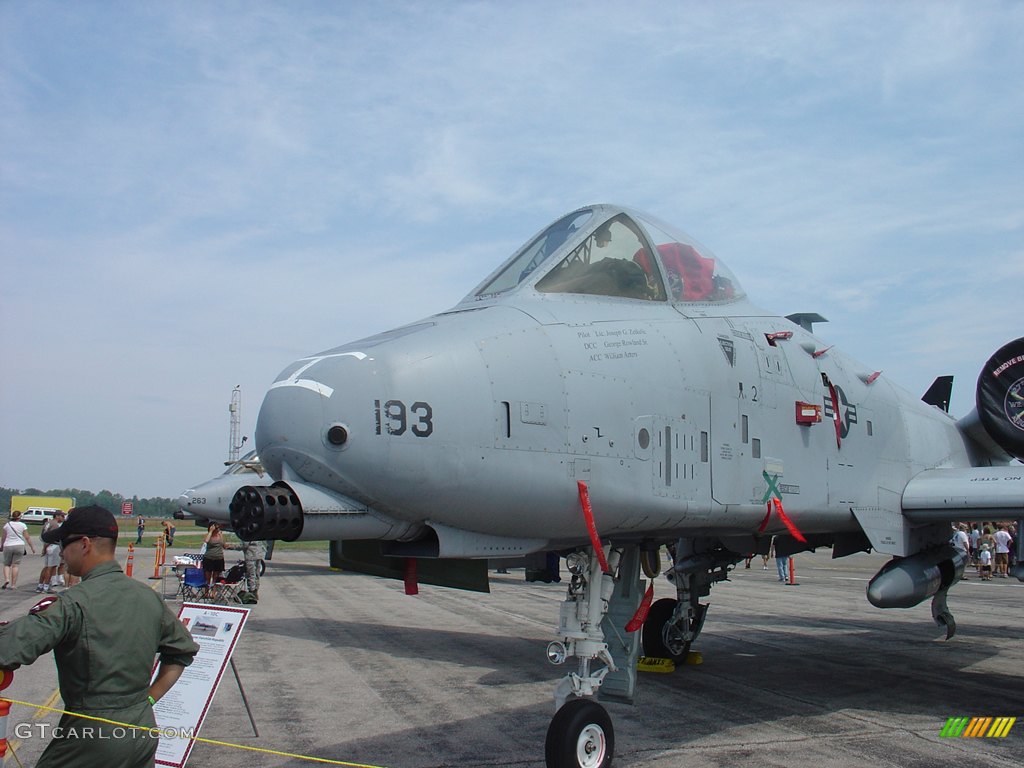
(226, 590)
(193, 584)
(225, 593)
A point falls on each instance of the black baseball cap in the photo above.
(84, 521)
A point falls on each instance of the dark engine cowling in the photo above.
(266, 512)
(1000, 398)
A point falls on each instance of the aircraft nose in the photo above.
(185, 499)
(318, 416)
(289, 426)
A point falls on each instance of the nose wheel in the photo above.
(580, 736)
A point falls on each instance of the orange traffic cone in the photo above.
(158, 559)
(5, 709)
(131, 561)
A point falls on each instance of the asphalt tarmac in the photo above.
(346, 667)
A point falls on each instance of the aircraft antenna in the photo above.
(235, 409)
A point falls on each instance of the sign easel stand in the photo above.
(245, 699)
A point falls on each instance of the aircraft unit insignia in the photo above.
(728, 349)
(1014, 404)
(847, 411)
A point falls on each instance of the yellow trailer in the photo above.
(39, 509)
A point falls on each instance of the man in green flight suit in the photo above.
(104, 633)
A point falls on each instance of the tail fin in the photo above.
(939, 392)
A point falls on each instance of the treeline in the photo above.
(156, 507)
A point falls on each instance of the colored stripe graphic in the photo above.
(954, 727)
(1002, 727)
(977, 727)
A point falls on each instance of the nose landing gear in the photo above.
(580, 736)
(596, 608)
(592, 623)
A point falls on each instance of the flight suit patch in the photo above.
(43, 604)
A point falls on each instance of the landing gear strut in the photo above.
(597, 607)
(673, 625)
(580, 734)
(666, 636)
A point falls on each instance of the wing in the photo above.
(992, 493)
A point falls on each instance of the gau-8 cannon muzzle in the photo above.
(266, 512)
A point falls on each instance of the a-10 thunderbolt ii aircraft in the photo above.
(609, 391)
(209, 500)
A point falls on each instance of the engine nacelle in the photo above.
(905, 581)
(1000, 398)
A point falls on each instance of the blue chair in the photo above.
(193, 584)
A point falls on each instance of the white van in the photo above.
(38, 515)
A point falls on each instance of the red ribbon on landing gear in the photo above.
(642, 610)
(588, 516)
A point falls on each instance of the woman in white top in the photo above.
(12, 543)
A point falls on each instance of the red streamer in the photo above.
(642, 610)
(790, 525)
(588, 516)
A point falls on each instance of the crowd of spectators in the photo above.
(990, 547)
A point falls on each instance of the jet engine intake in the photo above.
(1000, 398)
(904, 582)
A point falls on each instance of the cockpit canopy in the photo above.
(618, 252)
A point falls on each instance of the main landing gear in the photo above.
(673, 625)
(598, 605)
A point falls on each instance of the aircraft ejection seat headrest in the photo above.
(695, 272)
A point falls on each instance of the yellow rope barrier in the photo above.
(191, 738)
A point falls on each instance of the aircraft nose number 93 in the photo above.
(394, 418)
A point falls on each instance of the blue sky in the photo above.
(194, 194)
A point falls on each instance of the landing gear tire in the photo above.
(580, 736)
(653, 638)
(262, 567)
